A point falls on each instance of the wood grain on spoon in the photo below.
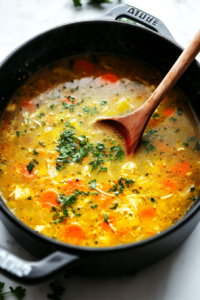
(133, 125)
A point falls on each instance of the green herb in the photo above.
(35, 152)
(29, 198)
(35, 161)
(91, 111)
(57, 291)
(198, 145)
(37, 105)
(115, 206)
(78, 215)
(192, 189)
(95, 193)
(173, 119)
(151, 132)
(179, 111)
(120, 137)
(153, 200)
(148, 146)
(151, 147)
(70, 150)
(52, 106)
(120, 153)
(67, 124)
(103, 102)
(155, 116)
(103, 169)
(41, 144)
(40, 115)
(92, 184)
(19, 291)
(186, 144)
(51, 98)
(106, 218)
(94, 205)
(146, 174)
(18, 133)
(30, 167)
(177, 130)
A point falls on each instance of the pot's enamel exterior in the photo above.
(105, 35)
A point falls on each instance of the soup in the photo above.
(69, 178)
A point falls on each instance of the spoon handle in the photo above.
(180, 66)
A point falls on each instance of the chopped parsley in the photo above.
(153, 200)
(52, 106)
(173, 119)
(92, 184)
(103, 102)
(179, 111)
(94, 205)
(91, 111)
(120, 153)
(155, 116)
(40, 115)
(192, 189)
(42, 144)
(19, 291)
(106, 218)
(30, 167)
(18, 133)
(115, 206)
(148, 146)
(37, 105)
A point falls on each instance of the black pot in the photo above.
(151, 43)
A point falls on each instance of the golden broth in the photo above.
(68, 178)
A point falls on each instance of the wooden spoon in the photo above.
(132, 126)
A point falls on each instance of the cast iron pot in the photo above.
(151, 43)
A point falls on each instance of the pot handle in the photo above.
(139, 16)
(31, 272)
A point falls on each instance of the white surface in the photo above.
(178, 276)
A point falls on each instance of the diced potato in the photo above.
(43, 171)
(123, 106)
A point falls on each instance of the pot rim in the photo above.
(190, 214)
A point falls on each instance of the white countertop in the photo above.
(177, 277)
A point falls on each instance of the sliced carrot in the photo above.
(73, 184)
(109, 77)
(28, 106)
(103, 199)
(50, 119)
(49, 199)
(26, 174)
(106, 226)
(181, 169)
(148, 213)
(83, 65)
(73, 234)
(168, 184)
(161, 146)
(169, 111)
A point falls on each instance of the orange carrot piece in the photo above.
(168, 184)
(26, 174)
(49, 199)
(50, 119)
(109, 77)
(73, 234)
(181, 169)
(28, 106)
(148, 213)
(169, 111)
(106, 226)
(83, 65)
(103, 200)
(73, 184)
